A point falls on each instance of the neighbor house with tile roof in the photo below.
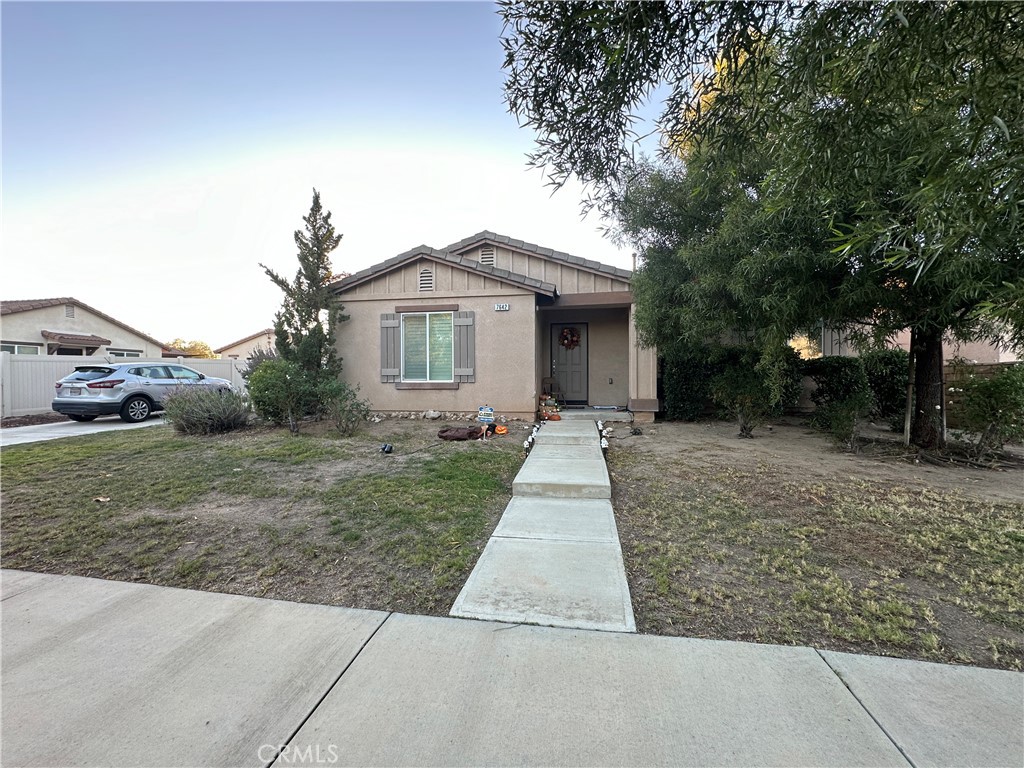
(67, 326)
(494, 321)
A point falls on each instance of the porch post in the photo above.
(643, 376)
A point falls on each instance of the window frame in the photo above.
(37, 349)
(427, 314)
(124, 353)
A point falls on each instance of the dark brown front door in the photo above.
(569, 360)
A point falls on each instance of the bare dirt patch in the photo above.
(32, 420)
(784, 539)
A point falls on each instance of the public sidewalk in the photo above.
(101, 673)
(554, 558)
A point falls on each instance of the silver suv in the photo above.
(133, 390)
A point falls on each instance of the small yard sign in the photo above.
(485, 414)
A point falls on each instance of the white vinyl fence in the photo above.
(26, 381)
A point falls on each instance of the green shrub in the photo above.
(687, 372)
(258, 356)
(992, 408)
(197, 410)
(282, 393)
(886, 370)
(341, 404)
(842, 398)
(753, 388)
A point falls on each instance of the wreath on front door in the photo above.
(570, 338)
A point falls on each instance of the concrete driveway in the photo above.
(57, 430)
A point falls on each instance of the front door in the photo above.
(569, 360)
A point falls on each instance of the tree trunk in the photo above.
(926, 430)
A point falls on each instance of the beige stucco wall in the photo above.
(242, 351)
(569, 279)
(506, 357)
(607, 350)
(977, 352)
(26, 327)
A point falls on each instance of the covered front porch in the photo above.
(589, 358)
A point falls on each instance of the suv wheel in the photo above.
(136, 409)
(80, 417)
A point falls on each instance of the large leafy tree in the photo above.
(856, 162)
(305, 325)
(192, 348)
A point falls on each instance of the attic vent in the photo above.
(426, 280)
(69, 310)
(487, 256)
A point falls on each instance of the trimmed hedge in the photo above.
(686, 380)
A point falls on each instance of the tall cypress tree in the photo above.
(305, 324)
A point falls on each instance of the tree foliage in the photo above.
(193, 348)
(305, 325)
(831, 82)
(853, 164)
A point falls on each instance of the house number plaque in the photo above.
(501, 307)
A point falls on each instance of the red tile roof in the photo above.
(75, 338)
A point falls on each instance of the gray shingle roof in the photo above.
(264, 332)
(547, 253)
(421, 251)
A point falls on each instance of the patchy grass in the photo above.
(755, 547)
(307, 517)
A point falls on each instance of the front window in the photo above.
(20, 349)
(427, 351)
(124, 352)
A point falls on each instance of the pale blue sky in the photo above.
(169, 147)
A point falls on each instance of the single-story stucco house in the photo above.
(493, 321)
(244, 348)
(67, 326)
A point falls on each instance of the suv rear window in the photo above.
(90, 373)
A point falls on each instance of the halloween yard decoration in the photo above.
(466, 433)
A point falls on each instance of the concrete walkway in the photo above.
(554, 558)
(100, 673)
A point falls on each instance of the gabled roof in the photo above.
(492, 238)
(11, 307)
(444, 257)
(264, 332)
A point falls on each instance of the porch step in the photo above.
(582, 432)
(558, 520)
(589, 414)
(565, 463)
(563, 479)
